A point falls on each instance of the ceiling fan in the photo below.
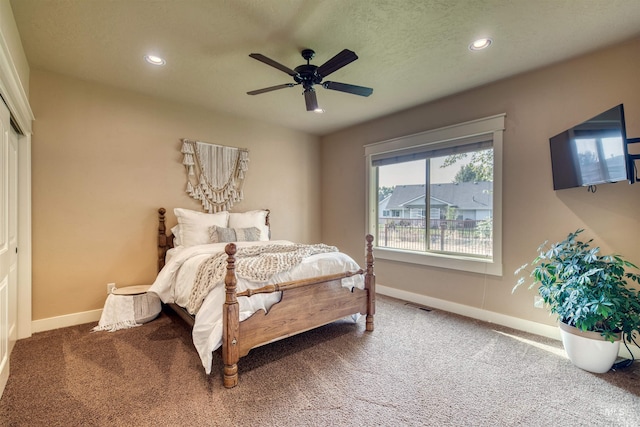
(309, 75)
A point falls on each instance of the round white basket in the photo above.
(146, 305)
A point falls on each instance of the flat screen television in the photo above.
(591, 153)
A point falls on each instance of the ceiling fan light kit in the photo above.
(309, 75)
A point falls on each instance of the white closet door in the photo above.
(13, 237)
(5, 255)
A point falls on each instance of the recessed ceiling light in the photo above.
(480, 44)
(154, 60)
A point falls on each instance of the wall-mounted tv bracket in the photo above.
(633, 171)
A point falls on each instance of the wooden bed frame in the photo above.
(323, 298)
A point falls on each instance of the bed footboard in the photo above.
(324, 299)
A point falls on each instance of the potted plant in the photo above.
(589, 293)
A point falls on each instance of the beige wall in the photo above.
(104, 160)
(538, 105)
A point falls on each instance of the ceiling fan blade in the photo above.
(340, 60)
(310, 99)
(269, 89)
(344, 87)
(260, 57)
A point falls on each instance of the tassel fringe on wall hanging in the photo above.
(215, 174)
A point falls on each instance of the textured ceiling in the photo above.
(410, 51)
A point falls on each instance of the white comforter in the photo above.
(174, 282)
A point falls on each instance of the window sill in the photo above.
(452, 262)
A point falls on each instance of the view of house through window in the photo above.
(435, 198)
(442, 202)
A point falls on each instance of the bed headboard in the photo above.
(165, 241)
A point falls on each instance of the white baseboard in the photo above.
(439, 304)
(486, 316)
(473, 312)
(73, 319)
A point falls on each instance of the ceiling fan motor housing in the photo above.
(307, 75)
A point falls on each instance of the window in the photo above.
(453, 174)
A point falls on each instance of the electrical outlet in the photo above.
(538, 302)
(110, 287)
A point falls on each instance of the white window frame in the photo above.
(493, 128)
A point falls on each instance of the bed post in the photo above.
(370, 283)
(162, 238)
(231, 322)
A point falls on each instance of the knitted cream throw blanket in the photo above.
(256, 263)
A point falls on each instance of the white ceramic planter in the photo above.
(589, 350)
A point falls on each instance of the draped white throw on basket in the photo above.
(127, 311)
(215, 173)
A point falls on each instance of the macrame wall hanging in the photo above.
(215, 173)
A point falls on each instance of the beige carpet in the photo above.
(417, 368)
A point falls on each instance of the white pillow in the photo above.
(194, 226)
(249, 219)
(175, 230)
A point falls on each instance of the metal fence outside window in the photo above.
(469, 237)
